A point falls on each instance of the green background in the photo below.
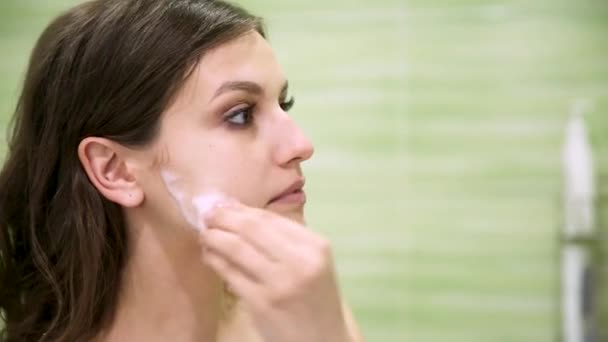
(438, 127)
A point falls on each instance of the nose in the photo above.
(292, 145)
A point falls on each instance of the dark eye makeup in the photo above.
(242, 116)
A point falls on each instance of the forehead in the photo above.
(247, 58)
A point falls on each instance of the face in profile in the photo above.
(228, 130)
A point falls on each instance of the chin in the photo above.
(294, 215)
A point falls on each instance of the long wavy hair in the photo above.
(106, 68)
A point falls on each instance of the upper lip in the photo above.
(294, 187)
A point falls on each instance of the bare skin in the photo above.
(228, 130)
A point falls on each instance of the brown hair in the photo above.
(105, 68)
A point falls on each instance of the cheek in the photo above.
(217, 160)
(233, 172)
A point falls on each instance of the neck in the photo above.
(167, 293)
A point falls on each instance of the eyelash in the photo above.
(248, 112)
(287, 105)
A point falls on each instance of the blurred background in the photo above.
(438, 176)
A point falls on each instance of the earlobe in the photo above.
(104, 163)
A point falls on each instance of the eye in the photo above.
(287, 105)
(240, 117)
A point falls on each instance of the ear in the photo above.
(104, 163)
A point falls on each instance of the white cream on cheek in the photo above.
(194, 206)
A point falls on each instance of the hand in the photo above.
(281, 271)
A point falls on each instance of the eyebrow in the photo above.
(246, 86)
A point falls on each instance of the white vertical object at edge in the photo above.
(575, 260)
(579, 182)
(579, 205)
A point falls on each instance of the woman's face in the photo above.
(228, 130)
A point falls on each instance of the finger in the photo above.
(252, 225)
(240, 253)
(273, 235)
(231, 215)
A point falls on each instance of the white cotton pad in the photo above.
(192, 205)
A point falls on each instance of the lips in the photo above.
(293, 194)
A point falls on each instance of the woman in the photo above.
(93, 245)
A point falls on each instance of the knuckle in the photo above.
(320, 251)
(324, 248)
(282, 293)
(216, 214)
(311, 270)
(216, 217)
